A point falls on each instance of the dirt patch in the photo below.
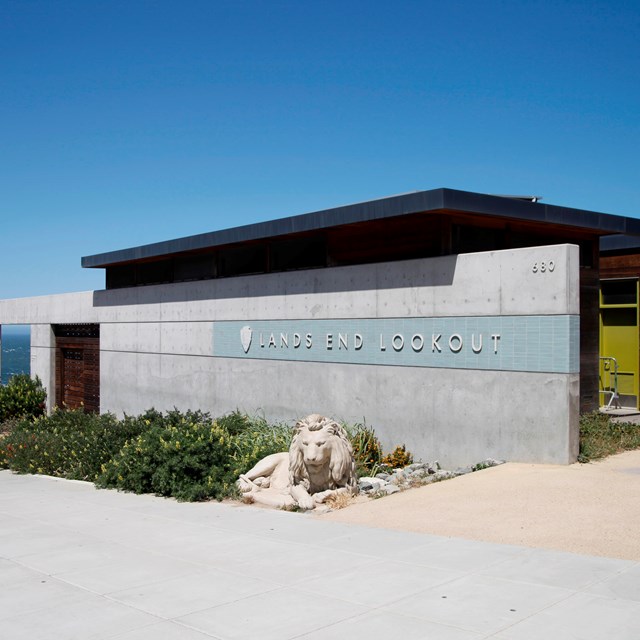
(583, 508)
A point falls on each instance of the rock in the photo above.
(373, 481)
(460, 471)
(321, 508)
(371, 484)
(485, 464)
(390, 488)
(415, 475)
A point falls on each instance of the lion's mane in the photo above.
(341, 471)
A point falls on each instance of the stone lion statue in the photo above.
(319, 464)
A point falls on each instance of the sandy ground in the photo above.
(591, 508)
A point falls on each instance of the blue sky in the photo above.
(125, 123)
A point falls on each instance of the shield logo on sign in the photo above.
(245, 337)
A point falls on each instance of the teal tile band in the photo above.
(498, 343)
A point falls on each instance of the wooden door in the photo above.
(72, 378)
(78, 366)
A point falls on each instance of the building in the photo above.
(461, 324)
(619, 339)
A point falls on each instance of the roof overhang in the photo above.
(619, 243)
(432, 201)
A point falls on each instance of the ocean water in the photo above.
(16, 354)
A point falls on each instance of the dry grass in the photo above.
(339, 500)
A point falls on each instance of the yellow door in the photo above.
(619, 340)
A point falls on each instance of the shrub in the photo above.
(600, 436)
(253, 438)
(22, 396)
(236, 422)
(367, 449)
(398, 458)
(68, 443)
(184, 455)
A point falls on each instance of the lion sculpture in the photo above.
(319, 464)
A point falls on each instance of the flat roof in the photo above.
(431, 201)
(619, 243)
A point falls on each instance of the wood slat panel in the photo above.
(623, 266)
(78, 367)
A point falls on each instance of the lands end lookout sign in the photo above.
(499, 343)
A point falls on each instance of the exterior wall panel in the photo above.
(157, 349)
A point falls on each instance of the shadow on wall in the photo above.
(428, 272)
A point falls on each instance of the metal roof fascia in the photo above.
(404, 204)
(506, 207)
(619, 242)
(347, 214)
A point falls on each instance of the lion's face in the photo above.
(316, 447)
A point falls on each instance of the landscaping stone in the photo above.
(391, 488)
(416, 474)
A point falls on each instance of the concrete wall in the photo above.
(157, 349)
(43, 362)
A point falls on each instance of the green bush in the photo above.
(255, 440)
(22, 396)
(184, 455)
(68, 443)
(237, 423)
(600, 436)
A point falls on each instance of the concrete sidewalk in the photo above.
(78, 563)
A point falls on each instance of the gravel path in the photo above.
(591, 508)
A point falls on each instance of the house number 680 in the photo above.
(541, 267)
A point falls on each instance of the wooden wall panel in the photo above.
(78, 368)
(621, 266)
